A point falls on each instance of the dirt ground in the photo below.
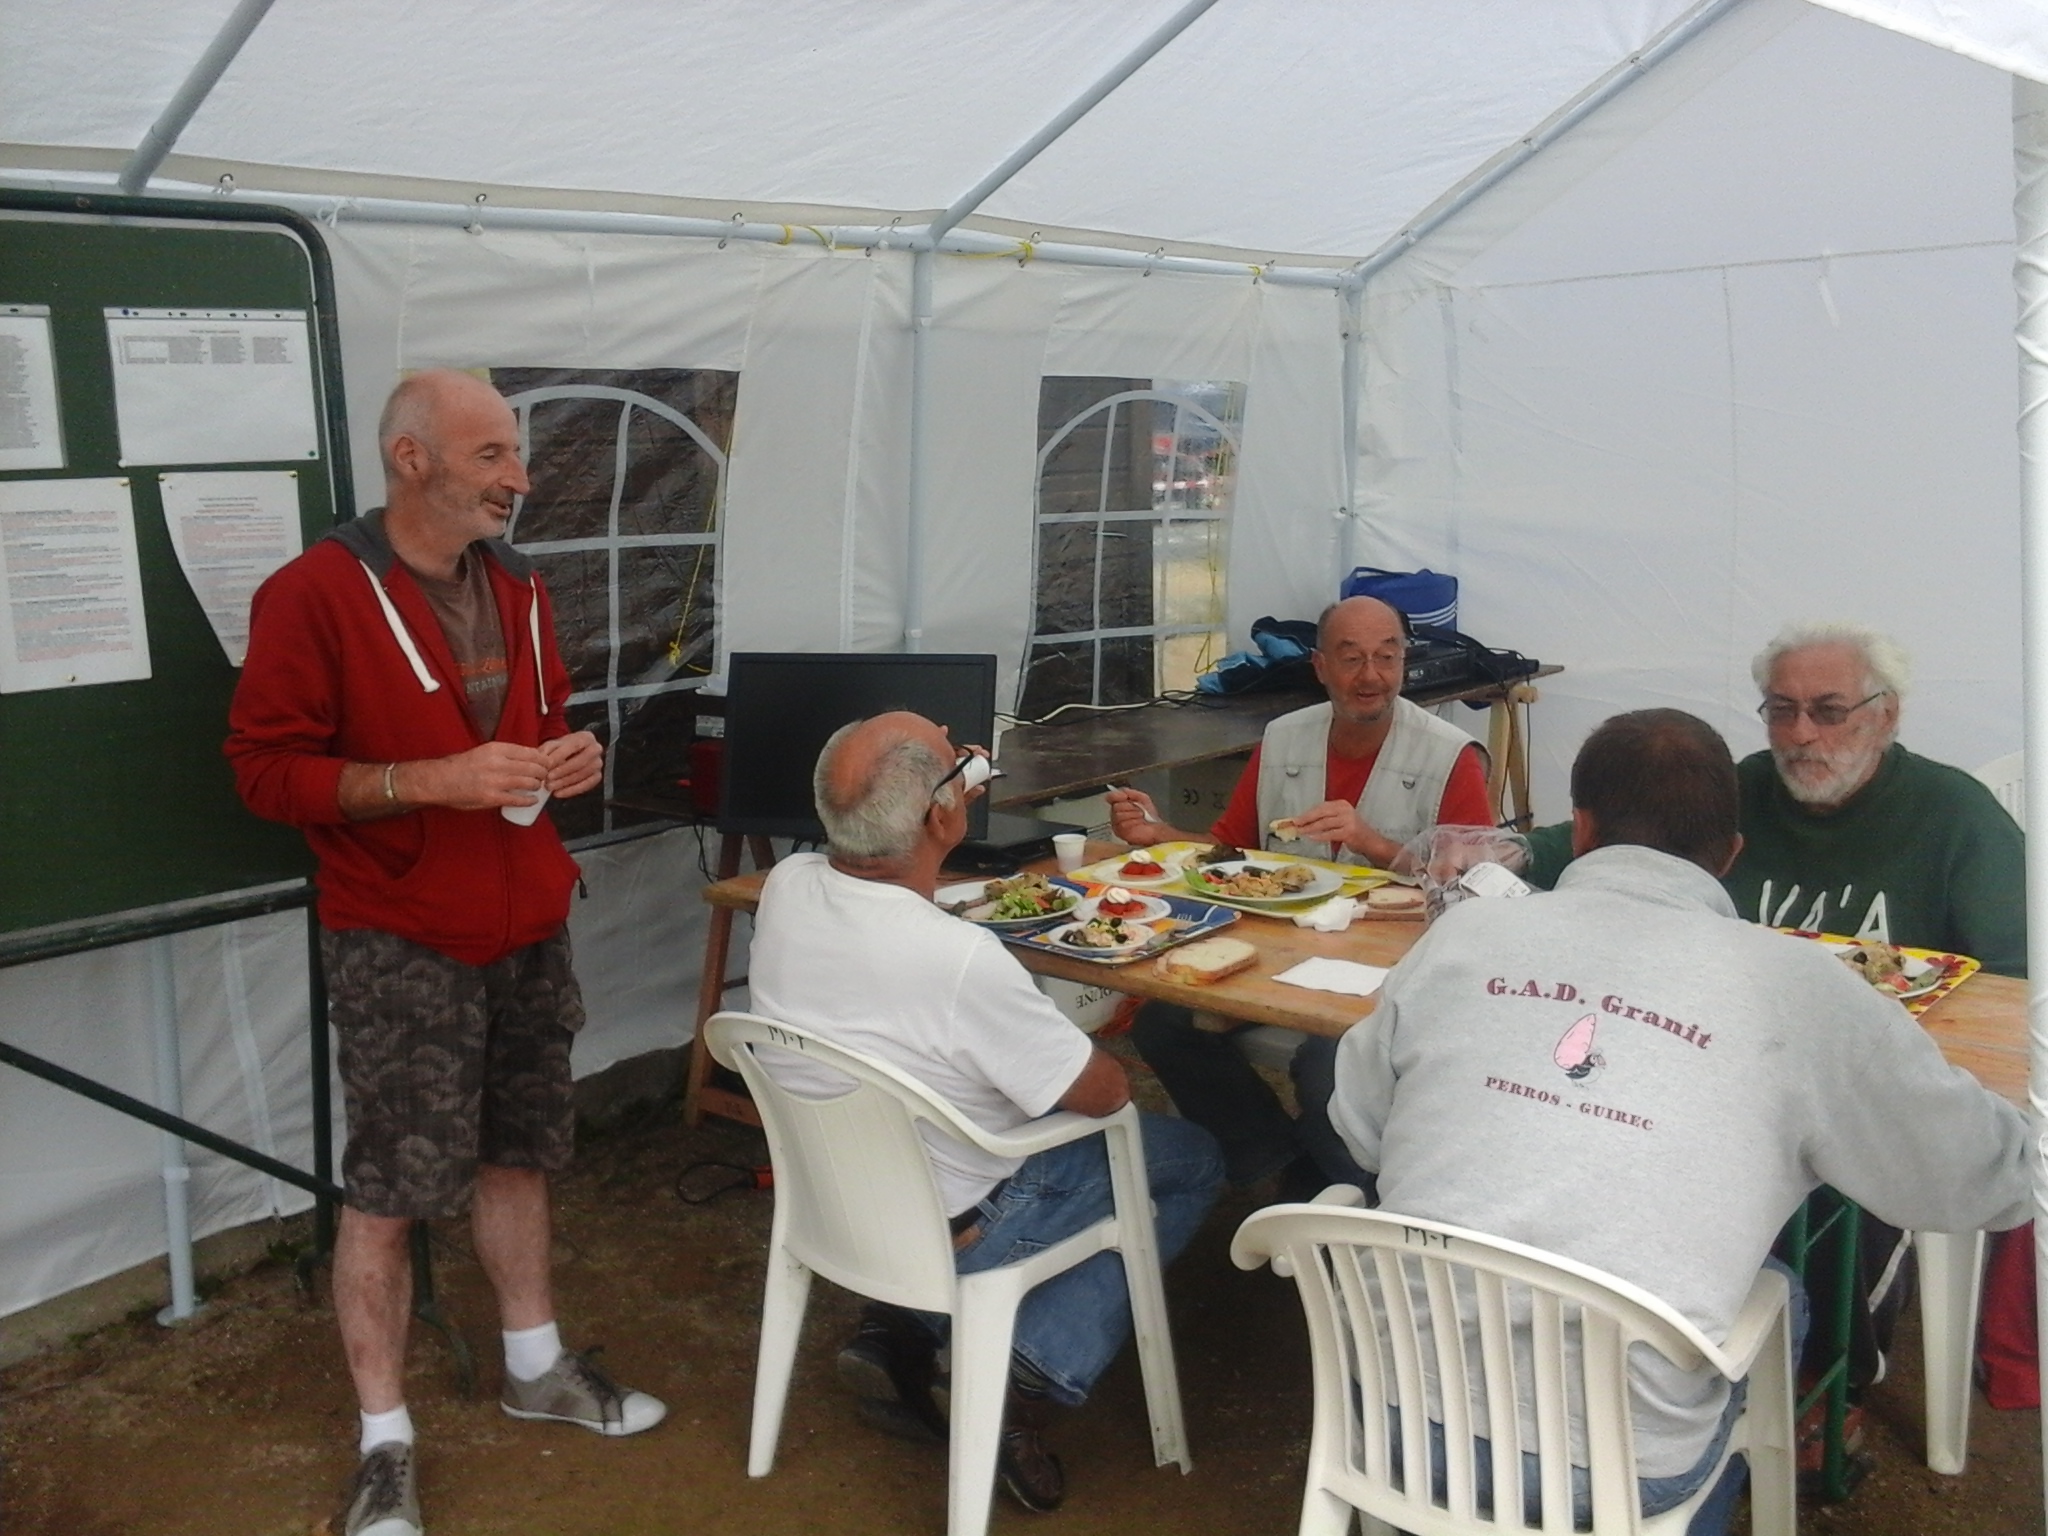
(242, 1422)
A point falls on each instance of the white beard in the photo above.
(1828, 778)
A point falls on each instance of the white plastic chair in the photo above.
(856, 1202)
(2006, 777)
(1389, 1301)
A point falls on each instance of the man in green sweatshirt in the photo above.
(1845, 831)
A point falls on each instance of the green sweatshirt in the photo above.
(1922, 855)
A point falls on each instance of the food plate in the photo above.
(1135, 937)
(1149, 909)
(1190, 919)
(1919, 975)
(1323, 883)
(1110, 872)
(1929, 974)
(972, 891)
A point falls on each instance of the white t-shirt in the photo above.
(880, 970)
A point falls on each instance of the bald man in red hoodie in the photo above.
(402, 706)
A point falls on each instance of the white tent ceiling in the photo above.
(1309, 128)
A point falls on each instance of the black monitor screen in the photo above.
(780, 708)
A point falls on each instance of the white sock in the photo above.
(530, 1353)
(383, 1428)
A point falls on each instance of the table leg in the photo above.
(1520, 697)
(699, 1094)
(1500, 719)
(1507, 748)
(1951, 1283)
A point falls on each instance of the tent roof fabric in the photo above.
(1308, 130)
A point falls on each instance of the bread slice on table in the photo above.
(1402, 899)
(1205, 961)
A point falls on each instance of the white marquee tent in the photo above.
(1657, 323)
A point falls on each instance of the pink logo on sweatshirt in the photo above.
(1575, 1055)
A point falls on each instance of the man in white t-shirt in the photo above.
(849, 946)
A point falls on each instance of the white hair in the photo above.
(1885, 663)
(884, 817)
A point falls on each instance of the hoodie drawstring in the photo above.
(428, 682)
(533, 626)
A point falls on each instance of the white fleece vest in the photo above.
(1401, 795)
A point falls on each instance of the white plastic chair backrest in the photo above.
(1398, 1308)
(855, 1198)
(2006, 778)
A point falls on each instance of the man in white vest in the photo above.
(1351, 780)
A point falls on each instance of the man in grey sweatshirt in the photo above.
(1622, 1072)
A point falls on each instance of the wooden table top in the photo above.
(1079, 756)
(1981, 1026)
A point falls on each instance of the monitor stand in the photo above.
(1010, 843)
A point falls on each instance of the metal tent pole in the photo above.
(163, 133)
(1546, 133)
(1353, 301)
(170, 1097)
(337, 208)
(917, 501)
(2030, 282)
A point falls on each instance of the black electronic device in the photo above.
(1443, 658)
(782, 706)
(1008, 845)
(1435, 664)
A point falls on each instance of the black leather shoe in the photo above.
(1028, 1472)
(891, 1364)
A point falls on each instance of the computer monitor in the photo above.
(782, 706)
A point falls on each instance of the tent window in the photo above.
(628, 471)
(1135, 483)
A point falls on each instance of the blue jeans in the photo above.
(1657, 1494)
(1314, 1081)
(1071, 1327)
(1213, 1085)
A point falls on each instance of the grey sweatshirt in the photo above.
(1622, 1072)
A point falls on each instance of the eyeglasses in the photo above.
(1824, 713)
(959, 768)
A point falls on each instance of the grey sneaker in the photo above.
(382, 1498)
(575, 1391)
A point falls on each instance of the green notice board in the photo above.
(114, 796)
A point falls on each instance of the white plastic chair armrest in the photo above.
(1341, 1194)
(1049, 1131)
(1767, 1297)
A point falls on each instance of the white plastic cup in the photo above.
(1070, 849)
(525, 815)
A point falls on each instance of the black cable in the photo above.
(727, 1177)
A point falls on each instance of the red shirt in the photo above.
(1464, 803)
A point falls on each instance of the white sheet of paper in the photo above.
(31, 431)
(231, 529)
(73, 585)
(1320, 974)
(212, 386)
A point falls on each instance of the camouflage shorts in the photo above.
(446, 1065)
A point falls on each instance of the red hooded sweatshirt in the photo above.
(347, 663)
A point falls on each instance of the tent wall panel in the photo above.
(1826, 135)
(1877, 472)
(81, 1196)
(1649, 519)
(990, 327)
(80, 1192)
(1543, 417)
(789, 492)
